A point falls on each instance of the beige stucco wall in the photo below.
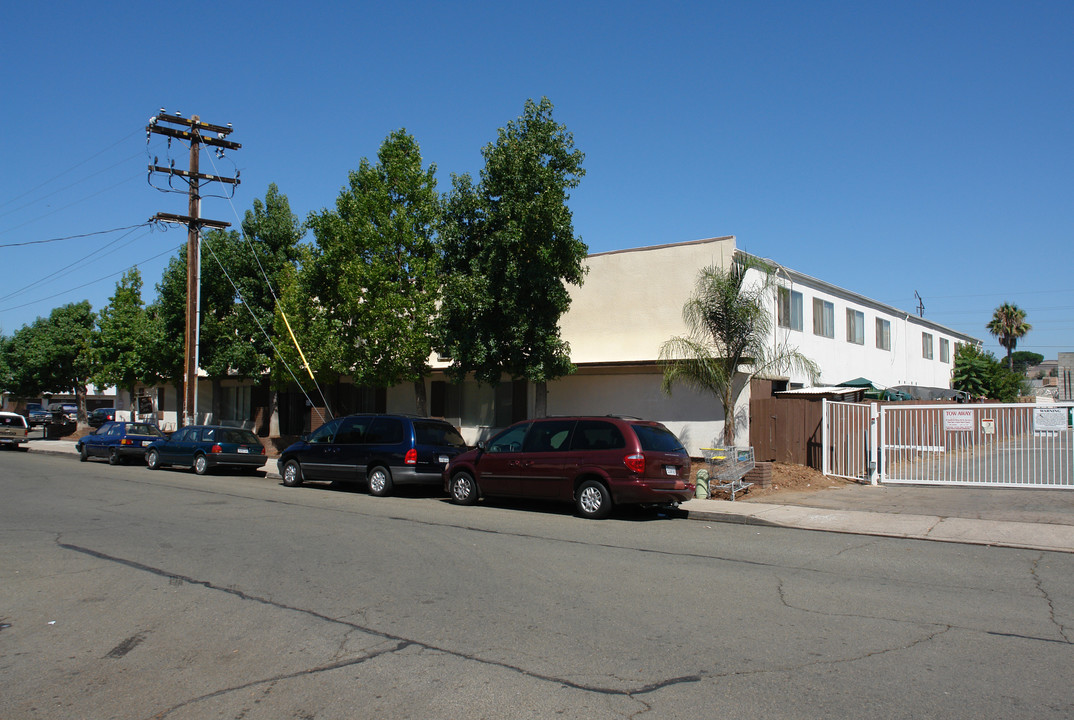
(631, 300)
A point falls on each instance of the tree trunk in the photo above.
(420, 397)
(81, 418)
(728, 402)
(540, 399)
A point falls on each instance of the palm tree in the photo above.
(730, 338)
(1009, 326)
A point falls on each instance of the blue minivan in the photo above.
(380, 450)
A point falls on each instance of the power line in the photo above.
(63, 271)
(92, 282)
(73, 167)
(74, 237)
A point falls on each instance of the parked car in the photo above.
(13, 429)
(382, 450)
(36, 414)
(118, 441)
(595, 462)
(100, 416)
(205, 447)
(61, 413)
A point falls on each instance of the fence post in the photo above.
(824, 419)
(874, 415)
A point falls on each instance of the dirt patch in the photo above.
(786, 477)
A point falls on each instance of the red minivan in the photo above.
(595, 462)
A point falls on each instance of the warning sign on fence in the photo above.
(1049, 419)
(957, 420)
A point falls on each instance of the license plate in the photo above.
(444, 459)
(244, 451)
(671, 470)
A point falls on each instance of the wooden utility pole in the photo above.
(192, 133)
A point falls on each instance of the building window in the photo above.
(926, 345)
(790, 309)
(883, 334)
(945, 350)
(855, 327)
(823, 318)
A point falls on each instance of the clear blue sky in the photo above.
(886, 148)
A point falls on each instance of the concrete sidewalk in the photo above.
(1040, 519)
(1042, 533)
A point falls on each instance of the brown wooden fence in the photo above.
(786, 430)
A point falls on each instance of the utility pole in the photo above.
(193, 132)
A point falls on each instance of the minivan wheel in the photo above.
(292, 473)
(593, 500)
(380, 481)
(201, 464)
(463, 489)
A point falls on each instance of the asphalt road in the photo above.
(127, 593)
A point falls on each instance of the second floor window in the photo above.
(926, 345)
(883, 334)
(945, 350)
(790, 309)
(823, 318)
(855, 327)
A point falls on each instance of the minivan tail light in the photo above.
(216, 449)
(411, 457)
(635, 463)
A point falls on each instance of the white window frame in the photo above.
(823, 318)
(883, 334)
(926, 345)
(789, 309)
(855, 326)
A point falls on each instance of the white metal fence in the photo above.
(1010, 445)
(848, 433)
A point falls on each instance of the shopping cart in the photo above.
(727, 467)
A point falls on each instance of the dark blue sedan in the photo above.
(118, 441)
(204, 447)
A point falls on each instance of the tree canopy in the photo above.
(979, 373)
(123, 347)
(509, 252)
(1008, 325)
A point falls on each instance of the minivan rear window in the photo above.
(657, 439)
(440, 434)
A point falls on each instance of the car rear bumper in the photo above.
(236, 460)
(12, 440)
(658, 492)
(407, 475)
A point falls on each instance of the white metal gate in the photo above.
(1015, 445)
(994, 445)
(848, 440)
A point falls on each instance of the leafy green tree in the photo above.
(255, 262)
(980, 374)
(510, 250)
(53, 354)
(122, 351)
(1009, 325)
(1023, 359)
(729, 338)
(376, 270)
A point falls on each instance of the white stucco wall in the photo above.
(631, 301)
(841, 360)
